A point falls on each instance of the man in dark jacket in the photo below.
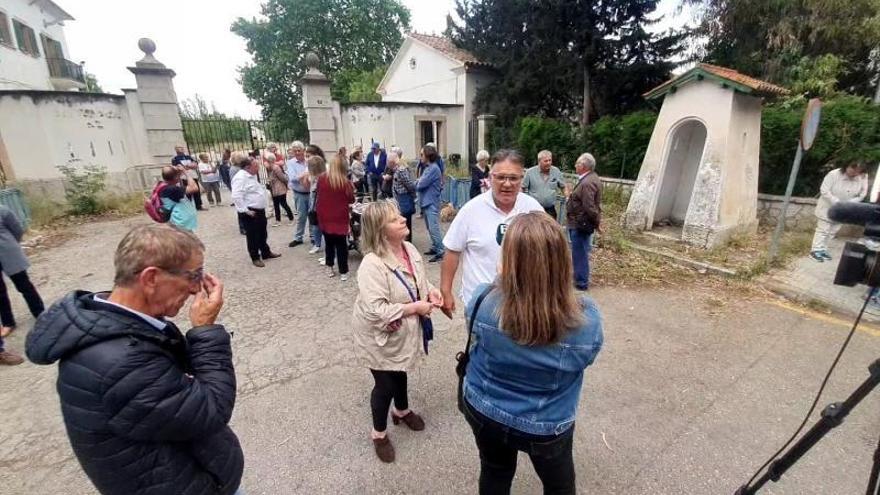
(375, 164)
(584, 215)
(146, 408)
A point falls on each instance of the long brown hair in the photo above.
(337, 172)
(539, 303)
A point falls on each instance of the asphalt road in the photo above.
(694, 389)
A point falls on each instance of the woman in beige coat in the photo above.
(394, 298)
(278, 187)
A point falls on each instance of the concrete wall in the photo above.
(19, 70)
(397, 124)
(44, 129)
(432, 80)
(739, 201)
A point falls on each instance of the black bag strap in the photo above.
(467, 347)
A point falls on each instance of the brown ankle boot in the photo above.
(411, 419)
(384, 449)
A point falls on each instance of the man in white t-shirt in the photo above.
(477, 230)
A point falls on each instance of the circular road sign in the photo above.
(810, 124)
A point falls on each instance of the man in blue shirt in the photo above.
(376, 161)
(428, 187)
(296, 170)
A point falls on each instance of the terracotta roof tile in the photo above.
(752, 84)
(756, 84)
(445, 46)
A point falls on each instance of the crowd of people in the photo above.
(147, 406)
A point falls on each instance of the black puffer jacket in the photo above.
(146, 410)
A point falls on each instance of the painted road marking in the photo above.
(834, 320)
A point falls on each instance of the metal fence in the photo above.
(14, 200)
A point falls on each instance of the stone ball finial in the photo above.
(312, 60)
(147, 46)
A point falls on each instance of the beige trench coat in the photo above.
(380, 301)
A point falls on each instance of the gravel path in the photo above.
(693, 390)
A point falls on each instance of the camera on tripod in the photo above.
(859, 260)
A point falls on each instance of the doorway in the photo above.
(683, 158)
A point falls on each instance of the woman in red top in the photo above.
(335, 194)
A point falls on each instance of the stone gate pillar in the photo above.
(318, 106)
(158, 105)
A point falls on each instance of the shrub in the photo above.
(849, 129)
(619, 143)
(535, 134)
(83, 188)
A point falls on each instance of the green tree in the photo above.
(92, 85)
(196, 107)
(353, 85)
(766, 38)
(567, 59)
(346, 34)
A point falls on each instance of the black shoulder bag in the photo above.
(463, 357)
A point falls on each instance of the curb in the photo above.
(686, 262)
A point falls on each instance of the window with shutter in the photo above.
(27, 39)
(5, 33)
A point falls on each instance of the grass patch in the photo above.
(46, 213)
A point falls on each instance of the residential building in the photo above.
(33, 48)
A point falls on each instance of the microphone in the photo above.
(855, 213)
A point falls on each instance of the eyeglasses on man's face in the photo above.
(191, 276)
(512, 179)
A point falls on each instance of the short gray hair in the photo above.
(159, 245)
(586, 160)
(298, 145)
(398, 150)
(482, 155)
(544, 154)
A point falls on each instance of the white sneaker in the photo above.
(314, 249)
(276, 224)
(331, 272)
(321, 261)
(343, 277)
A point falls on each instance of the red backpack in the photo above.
(153, 205)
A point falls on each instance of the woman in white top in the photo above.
(848, 183)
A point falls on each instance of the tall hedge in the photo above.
(849, 130)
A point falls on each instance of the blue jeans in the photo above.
(432, 221)
(301, 204)
(581, 245)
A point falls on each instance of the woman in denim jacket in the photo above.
(533, 339)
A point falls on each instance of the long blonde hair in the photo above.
(337, 173)
(375, 217)
(539, 303)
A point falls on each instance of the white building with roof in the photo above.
(33, 48)
(427, 95)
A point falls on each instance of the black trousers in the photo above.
(389, 385)
(196, 197)
(499, 444)
(256, 234)
(336, 249)
(23, 285)
(281, 202)
(409, 226)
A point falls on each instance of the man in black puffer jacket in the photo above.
(146, 408)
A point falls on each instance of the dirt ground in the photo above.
(698, 383)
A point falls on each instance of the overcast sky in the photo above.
(193, 38)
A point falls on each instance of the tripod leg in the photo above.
(874, 479)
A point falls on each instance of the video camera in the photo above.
(859, 261)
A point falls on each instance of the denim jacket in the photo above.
(533, 389)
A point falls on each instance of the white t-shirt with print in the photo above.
(476, 232)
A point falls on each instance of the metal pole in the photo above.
(780, 223)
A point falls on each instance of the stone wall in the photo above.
(798, 217)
